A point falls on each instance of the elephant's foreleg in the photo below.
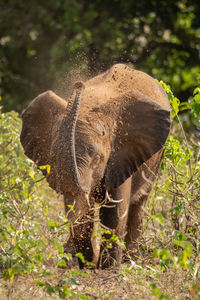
(81, 233)
(81, 229)
(134, 226)
(142, 183)
(113, 216)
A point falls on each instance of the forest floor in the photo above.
(124, 283)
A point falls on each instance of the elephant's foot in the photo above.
(110, 257)
(80, 257)
(70, 249)
(80, 241)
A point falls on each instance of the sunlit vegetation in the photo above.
(33, 227)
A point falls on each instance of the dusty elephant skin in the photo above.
(104, 144)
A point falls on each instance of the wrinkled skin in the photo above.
(104, 145)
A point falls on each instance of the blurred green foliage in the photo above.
(50, 44)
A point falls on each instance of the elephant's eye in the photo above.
(93, 149)
(96, 160)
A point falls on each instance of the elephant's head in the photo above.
(110, 126)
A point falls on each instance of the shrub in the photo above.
(173, 212)
(31, 237)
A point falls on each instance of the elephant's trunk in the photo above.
(68, 170)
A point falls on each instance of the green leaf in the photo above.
(62, 263)
(186, 245)
(39, 283)
(80, 256)
(31, 174)
(174, 102)
(74, 281)
(175, 105)
(184, 106)
(196, 91)
(46, 167)
(49, 288)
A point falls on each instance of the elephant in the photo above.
(104, 145)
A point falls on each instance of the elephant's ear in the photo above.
(142, 127)
(38, 125)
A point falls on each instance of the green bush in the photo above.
(19, 204)
(173, 212)
(31, 236)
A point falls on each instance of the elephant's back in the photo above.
(119, 80)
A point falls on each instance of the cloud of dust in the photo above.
(77, 70)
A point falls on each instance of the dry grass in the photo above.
(124, 283)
